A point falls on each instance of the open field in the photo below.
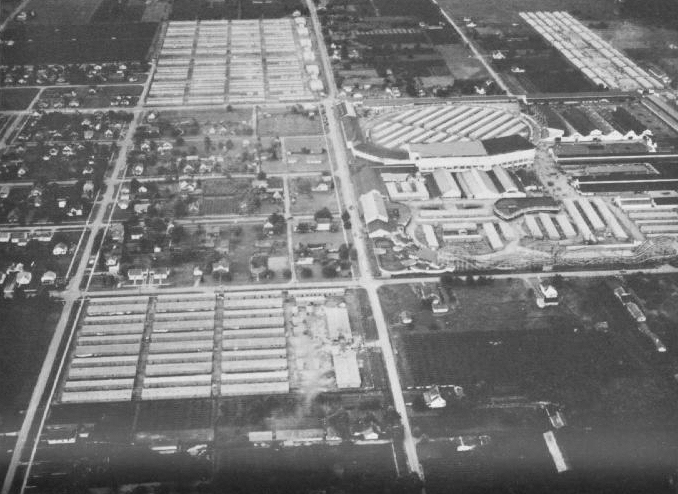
(306, 201)
(77, 43)
(26, 328)
(272, 123)
(659, 300)
(16, 99)
(423, 9)
(188, 10)
(607, 383)
(495, 341)
(62, 12)
(502, 11)
(362, 469)
(114, 11)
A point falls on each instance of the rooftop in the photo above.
(381, 152)
(443, 149)
(510, 208)
(507, 144)
(598, 149)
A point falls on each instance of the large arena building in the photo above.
(508, 152)
(456, 137)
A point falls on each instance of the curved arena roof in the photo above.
(443, 123)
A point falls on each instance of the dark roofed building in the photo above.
(507, 144)
(378, 228)
(511, 208)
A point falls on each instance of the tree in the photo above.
(261, 175)
(180, 209)
(229, 145)
(208, 144)
(344, 252)
(345, 216)
(278, 222)
(323, 213)
(306, 272)
(447, 280)
(177, 234)
(287, 273)
(329, 271)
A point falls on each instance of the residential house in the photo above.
(321, 187)
(60, 249)
(324, 224)
(136, 274)
(160, 274)
(48, 278)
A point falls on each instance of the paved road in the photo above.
(20, 7)
(475, 51)
(367, 281)
(69, 296)
(289, 226)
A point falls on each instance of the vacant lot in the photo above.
(62, 12)
(424, 10)
(77, 43)
(16, 99)
(461, 64)
(659, 300)
(306, 201)
(26, 327)
(505, 305)
(188, 10)
(501, 10)
(494, 342)
(287, 124)
(357, 469)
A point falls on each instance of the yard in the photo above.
(91, 97)
(305, 201)
(287, 123)
(40, 256)
(12, 99)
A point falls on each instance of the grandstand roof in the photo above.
(443, 149)
(508, 144)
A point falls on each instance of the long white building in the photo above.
(507, 152)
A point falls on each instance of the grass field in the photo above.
(352, 468)
(72, 43)
(461, 65)
(494, 341)
(26, 327)
(287, 124)
(502, 10)
(422, 9)
(305, 201)
(232, 9)
(16, 98)
(53, 12)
